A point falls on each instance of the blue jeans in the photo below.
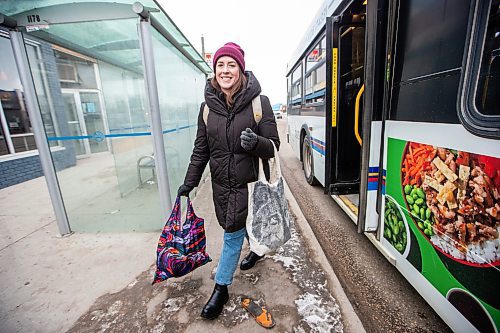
(228, 262)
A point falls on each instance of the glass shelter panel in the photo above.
(94, 120)
(128, 119)
(94, 72)
(73, 123)
(34, 51)
(180, 92)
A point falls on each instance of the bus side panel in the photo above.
(315, 127)
(422, 225)
(293, 127)
(372, 218)
(317, 130)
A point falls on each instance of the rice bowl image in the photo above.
(454, 199)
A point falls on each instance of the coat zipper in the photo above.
(228, 124)
(229, 145)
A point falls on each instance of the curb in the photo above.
(350, 319)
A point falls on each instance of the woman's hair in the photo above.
(237, 86)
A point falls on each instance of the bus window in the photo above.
(479, 109)
(322, 46)
(315, 79)
(296, 87)
(427, 60)
(308, 85)
(288, 91)
(321, 71)
(312, 58)
(488, 87)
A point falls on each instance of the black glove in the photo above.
(249, 139)
(184, 190)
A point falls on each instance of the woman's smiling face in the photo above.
(227, 72)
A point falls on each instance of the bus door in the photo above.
(345, 77)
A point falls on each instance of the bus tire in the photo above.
(307, 161)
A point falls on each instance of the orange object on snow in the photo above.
(260, 313)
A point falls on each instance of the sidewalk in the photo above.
(102, 282)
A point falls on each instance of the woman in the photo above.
(232, 141)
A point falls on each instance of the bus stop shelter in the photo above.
(110, 93)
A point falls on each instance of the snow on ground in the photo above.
(317, 307)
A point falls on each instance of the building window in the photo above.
(4, 149)
(17, 135)
(75, 72)
(18, 122)
(67, 72)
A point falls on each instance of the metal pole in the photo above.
(49, 171)
(203, 47)
(154, 106)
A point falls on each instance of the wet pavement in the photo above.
(291, 282)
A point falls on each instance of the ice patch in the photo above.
(299, 329)
(231, 306)
(234, 313)
(320, 317)
(288, 262)
(317, 307)
(99, 315)
(252, 278)
(112, 312)
(131, 284)
(170, 305)
(114, 308)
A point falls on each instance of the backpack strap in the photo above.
(205, 114)
(256, 108)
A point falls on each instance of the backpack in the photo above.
(256, 108)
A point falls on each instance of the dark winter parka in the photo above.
(218, 142)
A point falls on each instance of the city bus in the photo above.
(393, 107)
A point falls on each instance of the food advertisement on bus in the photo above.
(442, 213)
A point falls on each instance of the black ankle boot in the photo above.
(249, 261)
(215, 304)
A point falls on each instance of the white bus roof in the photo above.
(318, 23)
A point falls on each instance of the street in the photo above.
(382, 298)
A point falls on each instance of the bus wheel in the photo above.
(307, 161)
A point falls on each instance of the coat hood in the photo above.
(216, 99)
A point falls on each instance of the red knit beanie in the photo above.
(232, 50)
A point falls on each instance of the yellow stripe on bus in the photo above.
(334, 86)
